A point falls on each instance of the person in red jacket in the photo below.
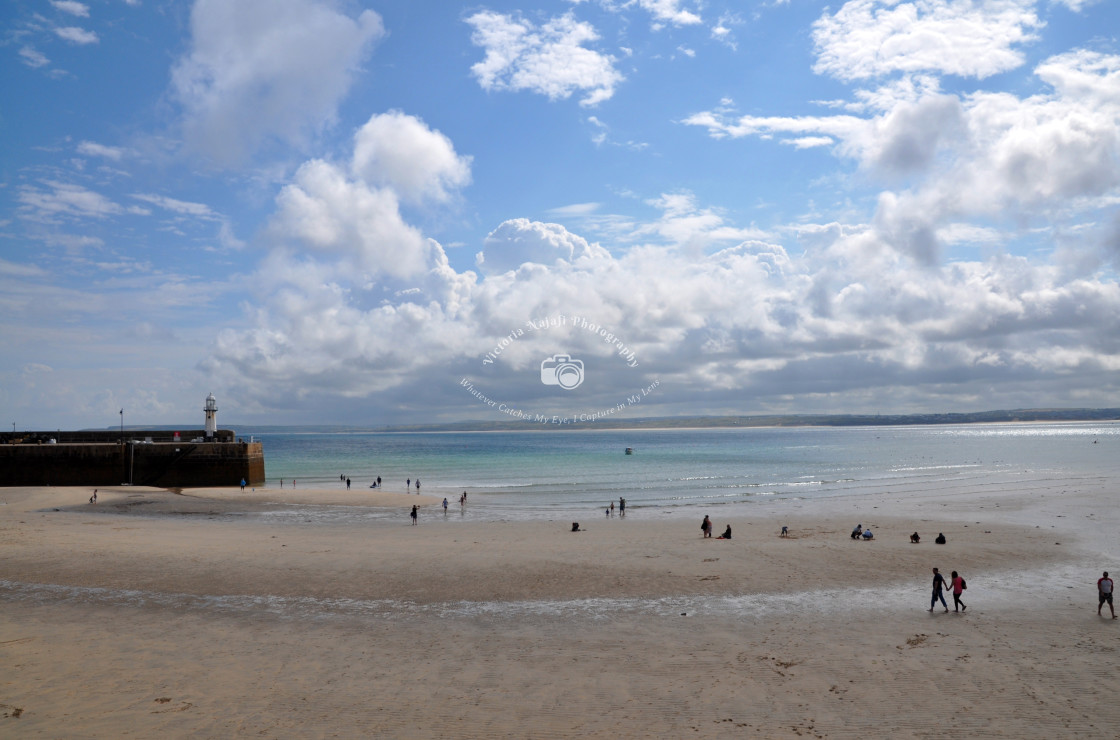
(958, 586)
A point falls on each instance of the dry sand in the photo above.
(199, 614)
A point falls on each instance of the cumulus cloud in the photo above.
(745, 321)
(520, 241)
(325, 211)
(401, 152)
(981, 155)
(670, 11)
(872, 38)
(266, 70)
(551, 59)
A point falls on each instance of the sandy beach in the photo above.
(197, 613)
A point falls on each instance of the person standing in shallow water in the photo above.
(938, 587)
(413, 515)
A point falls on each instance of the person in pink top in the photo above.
(958, 585)
(1104, 591)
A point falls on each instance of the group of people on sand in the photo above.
(416, 507)
(706, 528)
(860, 533)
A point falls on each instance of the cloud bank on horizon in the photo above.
(374, 213)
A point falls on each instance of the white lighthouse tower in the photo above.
(211, 417)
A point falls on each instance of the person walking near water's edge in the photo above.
(1104, 593)
(959, 586)
(938, 586)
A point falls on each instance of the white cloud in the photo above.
(33, 58)
(400, 151)
(873, 38)
(984, 155)
(849, 316)
(551, 59)
(809, 142)
(76, 35)
(81, 10)
(183, 207)
(266, 70)
(670, 11)
(360, 226)
(1076, 5)
(520, 241)
(93, 149)
(65, 199)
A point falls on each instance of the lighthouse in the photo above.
(211, 417)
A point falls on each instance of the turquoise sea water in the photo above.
(543, 471)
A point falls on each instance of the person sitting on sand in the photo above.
(915, 539)
(940, 539)
(857, 531)
(726, 534)
(867, 535)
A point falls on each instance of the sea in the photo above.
(542, 473)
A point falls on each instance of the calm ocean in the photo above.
(537, 473)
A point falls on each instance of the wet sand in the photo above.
(197, 614)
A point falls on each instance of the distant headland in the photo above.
(715, 422)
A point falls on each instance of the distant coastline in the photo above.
(708, 422)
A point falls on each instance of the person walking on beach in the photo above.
(242, 484)
(938, 586)
(408, 485)
(1104, 593)
(413, 515)
(706, 526)
(958, 586)
(445, 507)
(347, 484)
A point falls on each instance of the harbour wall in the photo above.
(36, 461)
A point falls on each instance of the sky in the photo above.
(373, 213)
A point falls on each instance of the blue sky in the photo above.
(388, 212)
